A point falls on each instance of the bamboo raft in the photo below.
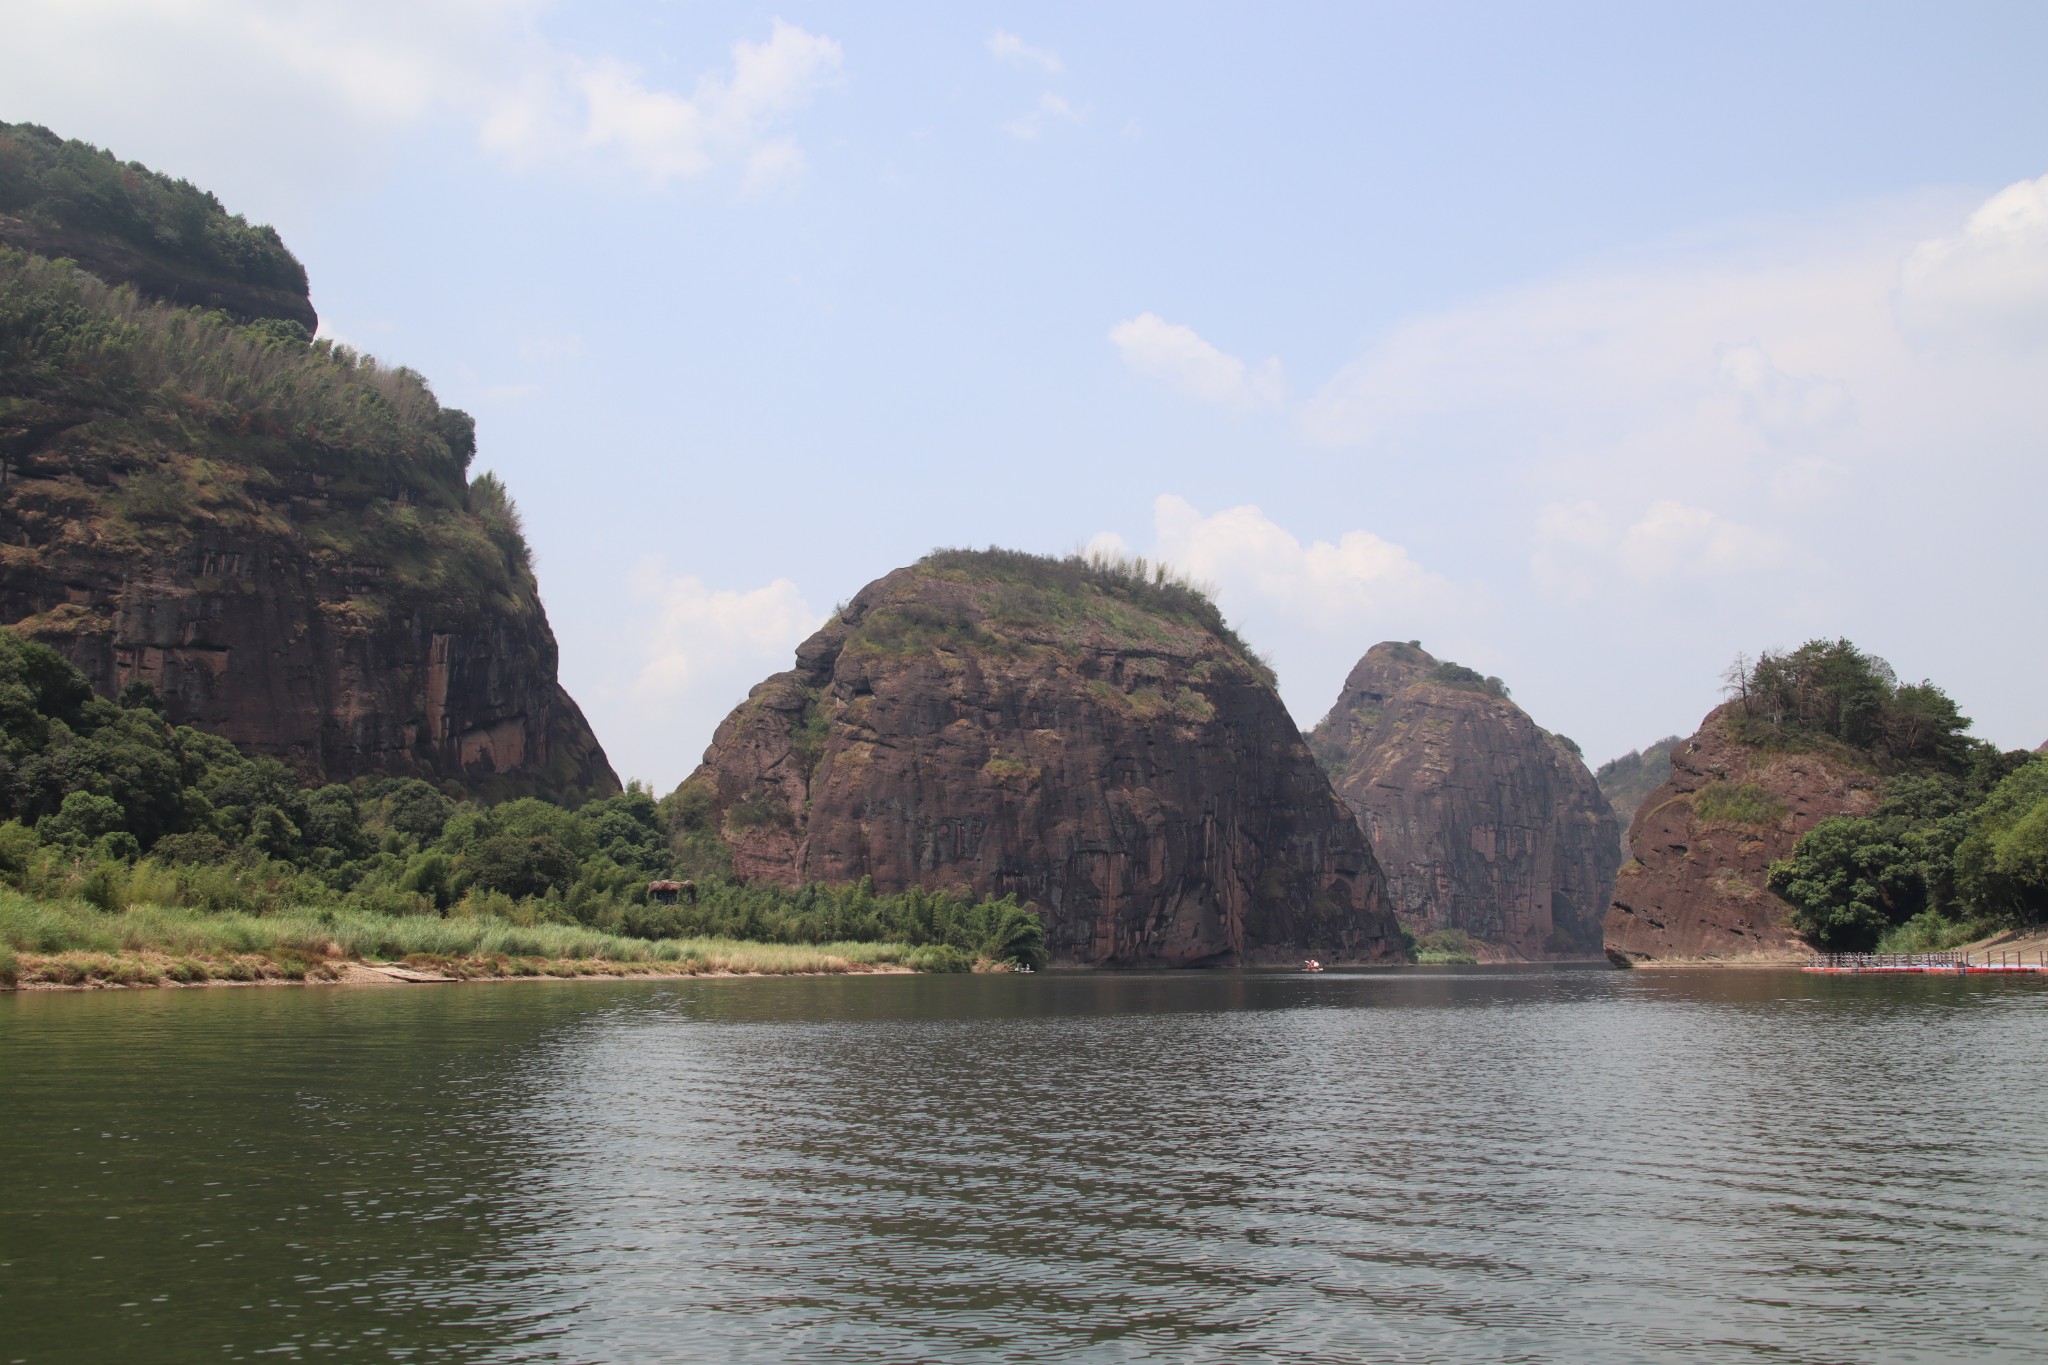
(1988, 960)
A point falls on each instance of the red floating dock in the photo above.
(1982, 962)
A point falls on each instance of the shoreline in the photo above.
(130, 971)
(2029, 942)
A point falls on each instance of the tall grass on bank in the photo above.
(45, 928)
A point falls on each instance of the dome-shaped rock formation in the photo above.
(1082, 735)
(1482, 820)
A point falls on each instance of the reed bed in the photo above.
(64, 942)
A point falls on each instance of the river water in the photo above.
(1568, 1164)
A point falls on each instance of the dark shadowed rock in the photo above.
(1482, 820)
(1099, 746)
(1703, 842)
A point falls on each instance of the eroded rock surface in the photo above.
(1482, 820)
(1017, 725)
(286, 616)
(1703, 842)
(281, 537)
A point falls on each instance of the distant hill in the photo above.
(1625, 781)
(1487, 824)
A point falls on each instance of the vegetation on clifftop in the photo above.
(74, 187)
(1957, 847)
(1829, 692)
(1109, 591)
(165, 421)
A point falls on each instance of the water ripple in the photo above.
(1430, 1166)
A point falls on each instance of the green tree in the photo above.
(2002, 863)
(1848, 880)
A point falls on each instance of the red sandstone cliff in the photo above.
(1703, 841)
(280, 537)
(1029, 726)
(1483, 820)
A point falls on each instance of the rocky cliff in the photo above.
(281, 537)
(1703, 842)
(1092, 740)
(126, 224)
(1483, 820)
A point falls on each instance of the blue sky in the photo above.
(1590, 344)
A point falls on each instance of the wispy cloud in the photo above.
(701, 649)
(1177, 355)
(1011, 50)
(1317, 604)
(1050, 109)
(385, 66)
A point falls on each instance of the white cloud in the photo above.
(1313, 605)
(1050, 108)
(700, 650)
(1578, 555)
(1990, 280)
(1674, 540)
(1178, 356)
(699, 635)
(1683, 423)
(1011, 50)
(387, 66)
(1245, 552)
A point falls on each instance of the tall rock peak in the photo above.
(1086, 737)
(1483, 821)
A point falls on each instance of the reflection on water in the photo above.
(1475, 1164)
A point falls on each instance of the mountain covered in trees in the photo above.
(282, 537)
(1828, 804)
(1085, 735)
(1489, 827)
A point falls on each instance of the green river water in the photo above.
(1569, 1164)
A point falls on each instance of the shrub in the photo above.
(1737, 803)
(1445, 947)
(938, 957)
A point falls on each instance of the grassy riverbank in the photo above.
(71, 943)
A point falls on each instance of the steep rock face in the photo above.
(1017, 725)
(1482, 820)
(287, 651)
(1703, 842)
(280, 536)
